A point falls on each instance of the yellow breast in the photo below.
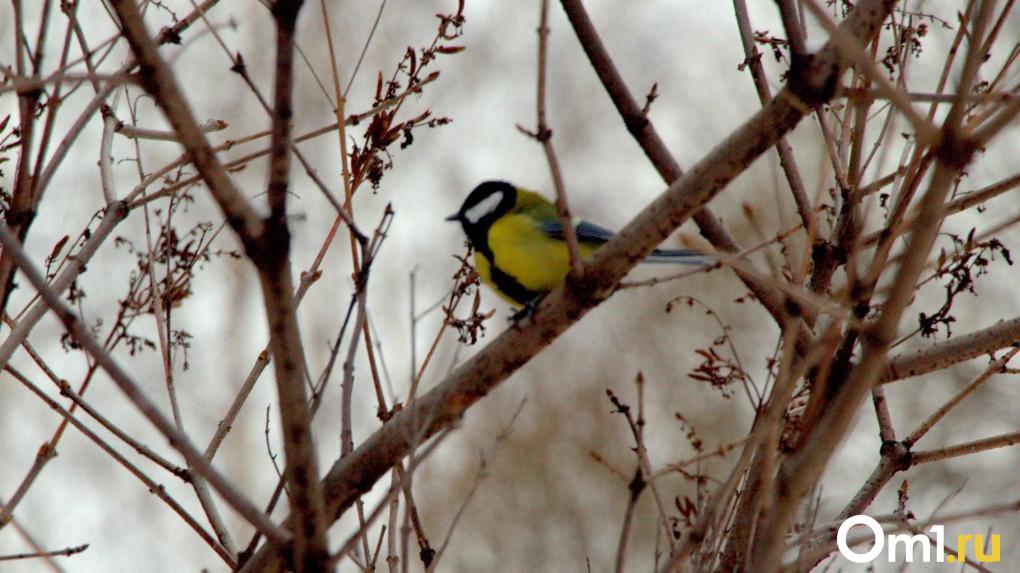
(522, 251)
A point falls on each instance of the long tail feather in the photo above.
(679, 257)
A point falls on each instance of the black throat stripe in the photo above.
(509, 284)
(504, 282)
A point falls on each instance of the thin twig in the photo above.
(949, 452)
(544, 135)
(155, 488)
(753, 59)
(66, 552)
(112, 216)
(994, 368)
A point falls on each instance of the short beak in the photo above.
(454, 217)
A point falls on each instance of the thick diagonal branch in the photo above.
(645, 134)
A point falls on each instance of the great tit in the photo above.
(519, 246)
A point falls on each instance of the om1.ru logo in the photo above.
(911, 542)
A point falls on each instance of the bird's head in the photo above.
(483, 206)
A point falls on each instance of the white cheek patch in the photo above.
(483, 208)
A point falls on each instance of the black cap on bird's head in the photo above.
(486, 203)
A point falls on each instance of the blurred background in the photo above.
(544, 503)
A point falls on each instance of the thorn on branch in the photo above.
(637, 485)
(239, 67)
(169, 36)
(652, 95)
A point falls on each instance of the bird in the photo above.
(520, 249)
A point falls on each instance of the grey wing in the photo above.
(584, 230)
(592, 233)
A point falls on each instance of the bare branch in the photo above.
(179, 441)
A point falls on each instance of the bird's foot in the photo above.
(527, 311)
